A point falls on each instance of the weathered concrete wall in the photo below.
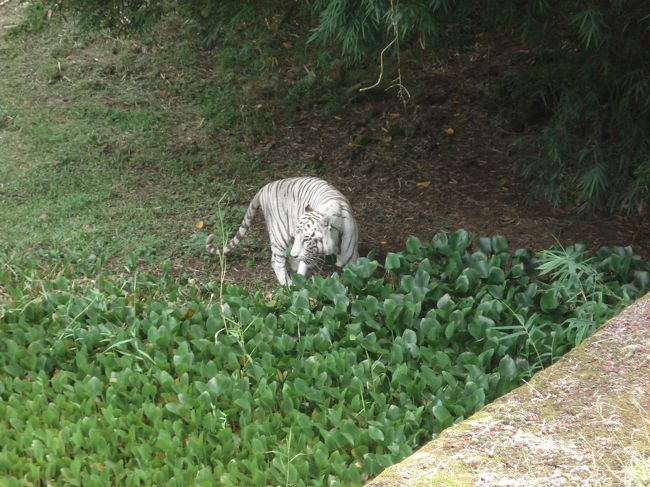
(584, 421)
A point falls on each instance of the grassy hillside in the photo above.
(105, 145)
(114, 146)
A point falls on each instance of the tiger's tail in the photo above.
(243, 228)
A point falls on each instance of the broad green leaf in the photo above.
(482, 267)
(549, 300)
(485, 244)
(409, 337)
(478, 326)
(508, 368)
(442, 415)
(499, 244)
(462, 284)
(642, 279)
(443, 360)
(496, 276)
(413, 245)
(460, 240)
(445, 302)
(375, 433)
(450, 329)
(393, 262)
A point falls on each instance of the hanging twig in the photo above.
(402, 93)
(381, 67)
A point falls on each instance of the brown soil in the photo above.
(439, 163)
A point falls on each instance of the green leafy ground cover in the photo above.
(147, 380)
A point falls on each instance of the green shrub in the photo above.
(149, 381)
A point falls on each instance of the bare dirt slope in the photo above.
(441, 162)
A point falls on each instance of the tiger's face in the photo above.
(313, 238)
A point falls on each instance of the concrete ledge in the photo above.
(584, 421)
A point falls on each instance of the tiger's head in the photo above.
(314, 237)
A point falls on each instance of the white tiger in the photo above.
(306, 213)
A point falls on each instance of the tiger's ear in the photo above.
(308, 208)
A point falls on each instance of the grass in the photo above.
(638, 473)
(116, 146)
(110, 146)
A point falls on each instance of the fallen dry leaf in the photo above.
(266, 140)
(423, 184)
(287, 45)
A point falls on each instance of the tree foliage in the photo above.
(591, 70)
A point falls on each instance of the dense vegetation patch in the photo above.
(582, 72)
(148, 380)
